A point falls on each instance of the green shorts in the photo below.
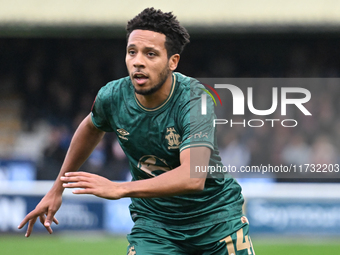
(229, 237)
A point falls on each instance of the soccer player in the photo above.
(177, 206)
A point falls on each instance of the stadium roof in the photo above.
(227, 14)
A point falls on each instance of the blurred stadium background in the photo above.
(55, 55)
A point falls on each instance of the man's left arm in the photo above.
(174, 182)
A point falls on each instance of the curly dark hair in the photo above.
(166, 23)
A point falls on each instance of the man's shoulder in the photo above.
(189, 84)
(184, 80)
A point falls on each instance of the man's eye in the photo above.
(132, 52)
(151, 54)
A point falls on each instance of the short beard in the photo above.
(163, 76)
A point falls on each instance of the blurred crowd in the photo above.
(58, 80)
(308, 144)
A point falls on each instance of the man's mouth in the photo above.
(140, 78)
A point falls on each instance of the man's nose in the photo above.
(139, 60)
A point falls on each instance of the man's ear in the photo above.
(173, 61)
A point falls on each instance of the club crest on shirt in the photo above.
(173, 138)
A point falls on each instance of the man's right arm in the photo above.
(85, 139)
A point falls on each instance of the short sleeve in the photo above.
(101, 109)
(198, 128)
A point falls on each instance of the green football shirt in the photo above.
(152, 139)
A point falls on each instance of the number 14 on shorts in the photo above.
(243, 244)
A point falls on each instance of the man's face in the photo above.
(147, 61)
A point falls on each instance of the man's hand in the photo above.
(91, 184)
(85, 139)
(45, 210)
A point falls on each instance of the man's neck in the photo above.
(157, 98)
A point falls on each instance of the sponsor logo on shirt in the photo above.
(123, 133)
(153, 165)
(199, 135)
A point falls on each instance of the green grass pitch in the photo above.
(75, 244)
